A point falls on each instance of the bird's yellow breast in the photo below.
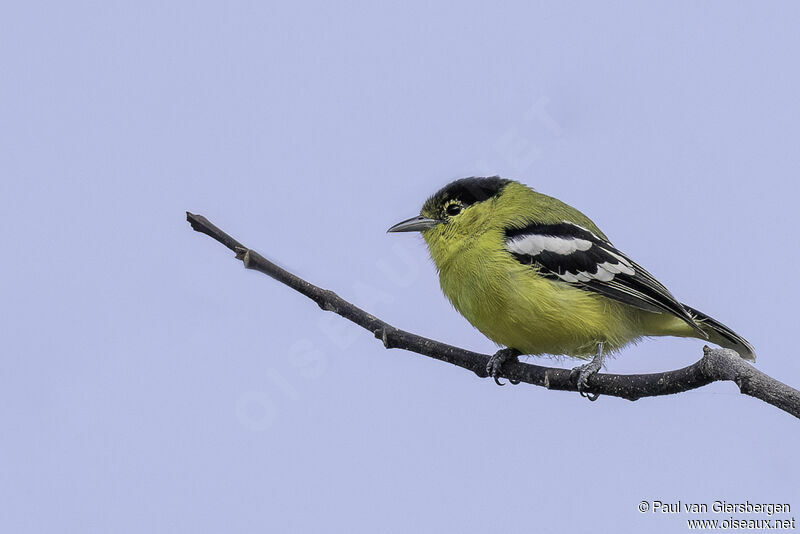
(513, 306)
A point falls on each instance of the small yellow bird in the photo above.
(538, 277)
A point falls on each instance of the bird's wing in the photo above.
(575, 255)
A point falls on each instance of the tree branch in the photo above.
(715, 365)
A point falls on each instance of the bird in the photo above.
(536, 276)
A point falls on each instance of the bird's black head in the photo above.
(456, 196)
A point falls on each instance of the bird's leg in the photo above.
(496, 362)
(589, 369)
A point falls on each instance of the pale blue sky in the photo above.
(148, 383)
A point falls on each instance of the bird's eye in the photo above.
(453, 209)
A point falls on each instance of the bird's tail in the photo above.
(721, 335)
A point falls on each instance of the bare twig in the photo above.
(715, 365)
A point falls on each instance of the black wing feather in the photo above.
(596, 265)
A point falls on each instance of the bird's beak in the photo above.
(414, 224)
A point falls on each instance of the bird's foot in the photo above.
(586, 371)
(495, 365)
(583, 373)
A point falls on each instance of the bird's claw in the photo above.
(510, 380)
(584, 372)
(495, 364)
